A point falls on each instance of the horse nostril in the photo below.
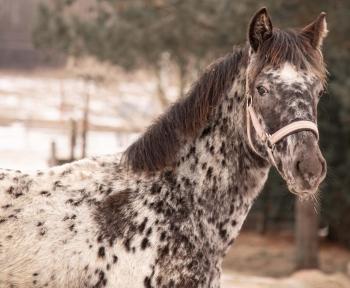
(298, 167)
(310, 168)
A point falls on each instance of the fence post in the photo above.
(53, 156)
(85, 122)
(73, 138)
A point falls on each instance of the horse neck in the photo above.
(219, 171)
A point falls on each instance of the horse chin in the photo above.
(301, 192)
(302, 189)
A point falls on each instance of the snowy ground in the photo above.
(268, 262)
(29, 105)
(29, 148)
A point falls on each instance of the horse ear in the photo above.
(316, 31)
(260, 29)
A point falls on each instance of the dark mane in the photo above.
(157, 148)
(290, 46)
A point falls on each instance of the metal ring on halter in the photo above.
(269, 142)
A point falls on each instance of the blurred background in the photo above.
(85, 77)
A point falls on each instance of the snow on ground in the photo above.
(29, 149)
(25, 99)
(33, 100)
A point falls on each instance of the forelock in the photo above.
(293, 48)
(288, 74)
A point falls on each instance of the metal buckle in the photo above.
(268, 142)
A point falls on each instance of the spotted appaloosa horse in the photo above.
(165, 212)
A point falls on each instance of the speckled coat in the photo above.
(102, 222)
(94, 223)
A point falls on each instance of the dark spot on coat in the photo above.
(127, 244)
(149, 231)
(205, 132)
(45, 193)
(143, 225)
(110, 215)
(57, 184)
(209, 172)
(147, 282)
(156, 188)
(162, 236)
(101, 252)
(145, 243)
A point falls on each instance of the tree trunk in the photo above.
(263, 227)
(306, 237)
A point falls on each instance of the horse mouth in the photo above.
(301, 187)
(302, 192)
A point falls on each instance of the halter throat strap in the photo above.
(269, 140)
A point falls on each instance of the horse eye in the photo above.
(262, 90)
(320, 93)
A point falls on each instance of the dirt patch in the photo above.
(302, 279)
(273, 256)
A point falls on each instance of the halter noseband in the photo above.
(270, 140)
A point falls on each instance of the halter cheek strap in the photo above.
(269, 140)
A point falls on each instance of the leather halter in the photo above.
(269, 140)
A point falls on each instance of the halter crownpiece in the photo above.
(270, 140)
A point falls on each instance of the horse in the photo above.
(165, 211)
